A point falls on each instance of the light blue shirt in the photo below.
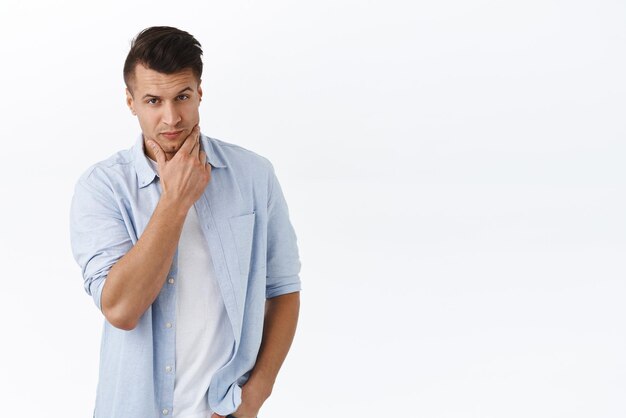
(245, 221)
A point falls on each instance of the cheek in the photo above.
(148, 120)
(192, 109)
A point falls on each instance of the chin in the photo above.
(175, 148)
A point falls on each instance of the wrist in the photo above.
(173, 206)
(262, 386)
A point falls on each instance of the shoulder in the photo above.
(240, 158)
(103, 172)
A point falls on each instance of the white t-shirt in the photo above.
(204, 337)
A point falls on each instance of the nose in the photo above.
(171, 116)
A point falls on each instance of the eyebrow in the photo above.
(157, 97)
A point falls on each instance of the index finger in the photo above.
(190, 141)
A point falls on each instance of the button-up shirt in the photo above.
(245, 221)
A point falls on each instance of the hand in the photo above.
(252, 398)
(185, 176)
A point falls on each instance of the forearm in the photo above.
(134, 282)
(281, 319)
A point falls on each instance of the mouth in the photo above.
(172, 134)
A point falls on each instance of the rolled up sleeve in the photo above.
(283, 261)
(98, 234)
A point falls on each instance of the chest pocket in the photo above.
(242, 227)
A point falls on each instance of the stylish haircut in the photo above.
(164, 49)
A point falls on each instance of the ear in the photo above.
(200, 90)
(130, 101)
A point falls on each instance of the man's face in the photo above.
(166, 106)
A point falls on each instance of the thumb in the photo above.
(158, 152)
(214, 415)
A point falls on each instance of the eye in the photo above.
(151, 101)
(183, 97)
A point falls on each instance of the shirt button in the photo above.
(168, 369)
(168, 325)
(170, 280)
(166, 411)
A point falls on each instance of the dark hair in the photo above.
(164, 49)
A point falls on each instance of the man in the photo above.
(186, 247)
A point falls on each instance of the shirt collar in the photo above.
(145, 172)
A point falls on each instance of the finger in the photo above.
(190, 140)
(196, 147)
(194, 150)
(214, 415)
(159, 154)
(202, 157)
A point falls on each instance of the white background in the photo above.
(454, 172)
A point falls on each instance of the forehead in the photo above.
(147, 80)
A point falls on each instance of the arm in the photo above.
(116, 273)
(281, 318)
